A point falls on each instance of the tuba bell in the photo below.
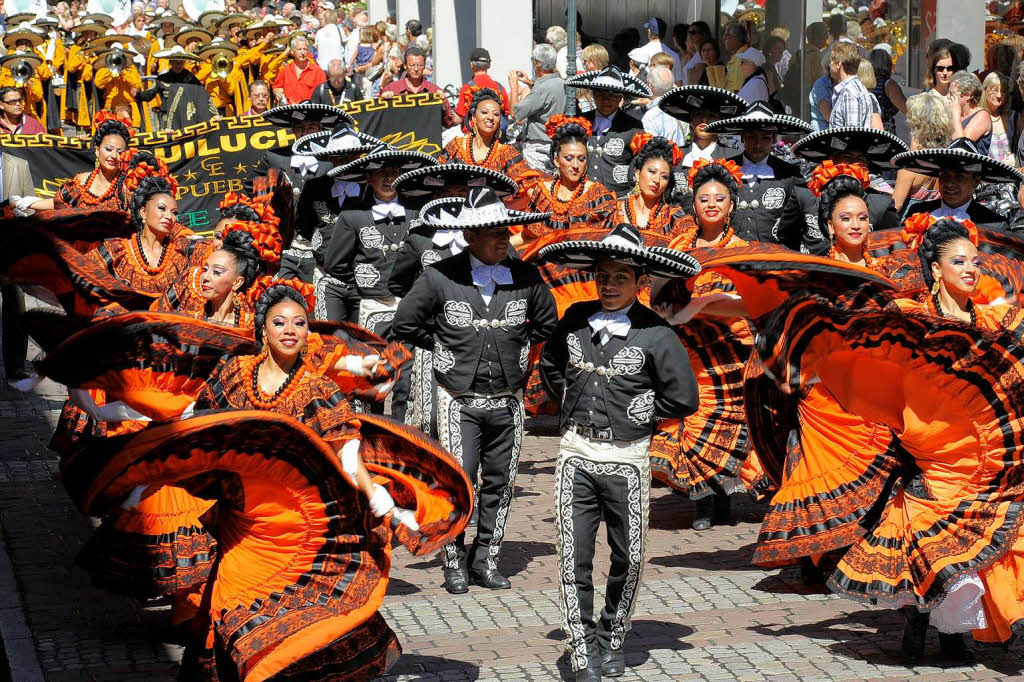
(116, 61)
(221, 66)
(22, 71)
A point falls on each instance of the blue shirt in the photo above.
(822, 90)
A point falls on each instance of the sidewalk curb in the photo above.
(22, 658)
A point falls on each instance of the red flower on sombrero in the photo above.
(641, 139)
(104, 115)
(262, 284)
(734, 170)
(828, 171)
(265, 239)
(135, 171)
(559, 120)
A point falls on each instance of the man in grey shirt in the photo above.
(545, 99)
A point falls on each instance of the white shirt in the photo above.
(653, 47)
(609, 323)
(352, 46)
(752, 171)
(385, 209)
(486, 278)
(944, 211)
(694, 61)
(658, 123)
(754, 90)
(329, 45)
(696, 153)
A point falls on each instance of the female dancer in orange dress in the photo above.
(304, 521)
(947, 546)
(100, 188)
(646, 206)
(842, 464)
(701, 454)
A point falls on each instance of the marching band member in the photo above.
(184, 100)
(617, 369)
(119, 89)
(22, 43)
(479, 312)
(53, 53)
(79, 73)
(227, 89)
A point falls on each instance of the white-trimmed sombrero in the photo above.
(209, 20)
(20, 18)
(879, 145)
(429, 180)
(290, 114)
(961, 155)
(760, 117)
(344, 143)
(683, 101)
(482, 209)
(230, 20)
(383, 156)
(610, 79)
(624, 244)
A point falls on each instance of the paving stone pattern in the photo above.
(704, 613)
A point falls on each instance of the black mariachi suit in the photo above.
(363, 251)
(416, 254)
(318, 212)
(296, 261)
(621, 388)
(980, 215)
(769, 209)
(610, 154)
(480, 357)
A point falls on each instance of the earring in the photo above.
(235, 303)
(636, 186)
(935, 288)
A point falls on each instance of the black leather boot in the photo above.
(705, 510)
(914, 633)
(954, 647)
(456, 580)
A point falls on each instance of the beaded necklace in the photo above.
(970, 309)
(90, 199)
(256, 394)
(722, 240)
(833, 253)
(631, 214)
(563, 206)
(491, 151)
(140, 255)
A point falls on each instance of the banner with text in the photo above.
(213, 158)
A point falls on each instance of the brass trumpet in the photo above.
(116, 61)
(221, 66)
(22, 70)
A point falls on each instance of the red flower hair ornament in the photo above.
(265, 239)
(261, 208)
(917, 225)
(104, 115)
(734, 170)
(559, 120)
(262, 284)
(828, 171)
(641, 139)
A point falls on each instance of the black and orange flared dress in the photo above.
(704, 451)
(665, 219)
(501, 157)
(76, 193)
(947, 540)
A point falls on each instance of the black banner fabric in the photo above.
(213, 158)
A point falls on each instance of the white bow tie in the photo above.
(696, 153)
(483, 275)
(753, 170)
(344, 188)
(453, 239)
(944, 211)
(609, 324)
(389, 210)
(305, 164)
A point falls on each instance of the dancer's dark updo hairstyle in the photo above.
(147, 189)
(936, 243)
(656, 148)
(240, 212)
(714, 172)
(567, 134)
(111, 128)
(839, 188)
(247, 261)
(271, 297)
(480, 96)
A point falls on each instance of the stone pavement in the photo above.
(704, 614)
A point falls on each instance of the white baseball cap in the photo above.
(752, 55)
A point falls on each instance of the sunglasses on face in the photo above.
(942, 69)
(13, 101)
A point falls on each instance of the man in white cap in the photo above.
(755, 85)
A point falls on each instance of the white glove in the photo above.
(350, 460)
(188, 411)
(356, 364)
(406, 517)
(22, 205)
(381, 502)
(116, 411)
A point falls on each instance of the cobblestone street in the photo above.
(705, 612)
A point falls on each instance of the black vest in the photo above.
(363, 250)
(609, 155)
(417, 253)
(769, 210)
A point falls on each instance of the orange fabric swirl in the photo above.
(260, 286)
(827, 171)
(559, 120)
(734, 170)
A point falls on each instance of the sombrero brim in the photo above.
(29, 57)
(314, 145)
(290, 114)
(428, 181)
(681, 102)
(212, 18)
(184, 37)
(444, 214)
(655, 261)
(590, 80)
(356, 171)
(11, 39)
(879, 145)
(779, 123)
(232, 19)
(176, 55)
(934, 161)
(84, 28)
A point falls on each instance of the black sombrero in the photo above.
(624, 245)
(961, 155)
(382, 156)
(290, 114)
(683, 101)
(434, 208)
(760, 117)
(428, 181)
(610, 79)
(879, 146)
(343, 143)
(482, 209)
